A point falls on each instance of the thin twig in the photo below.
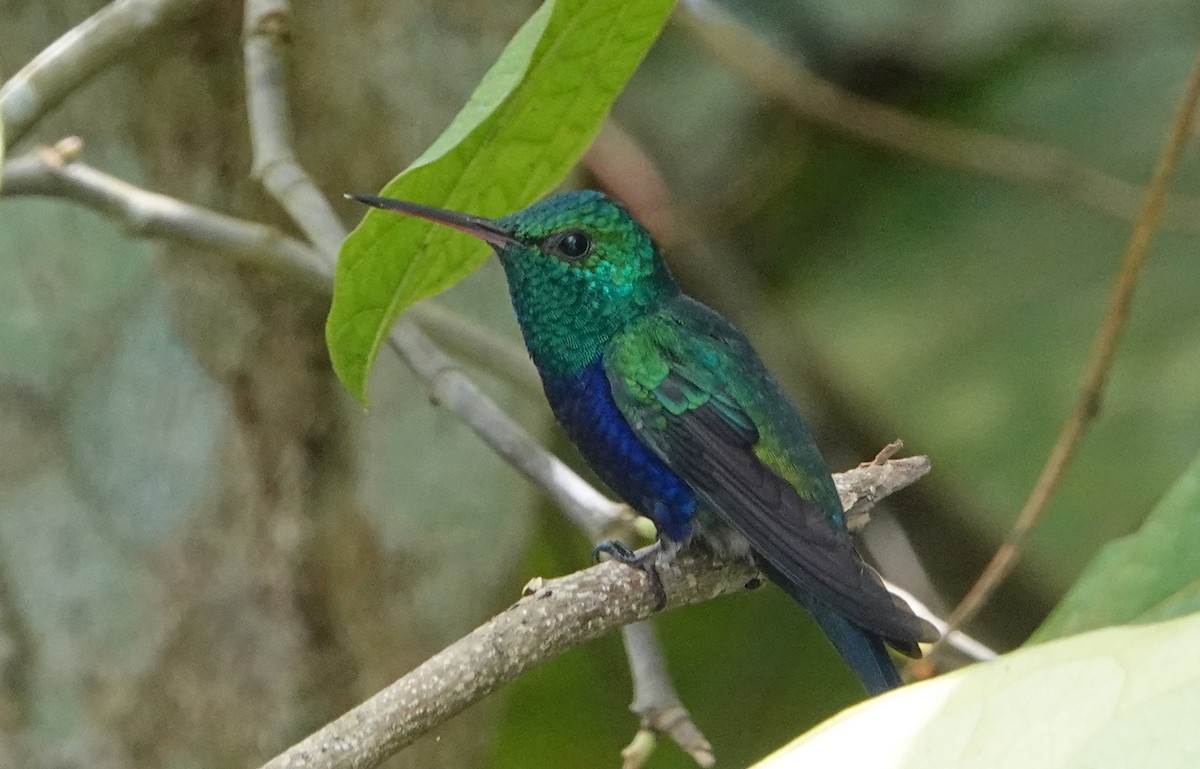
(477, 345)
(656, 702)
(79, 55)
(1104, 349)
(554, 615)
(52, 172)
(275, 165)
(955, 639)
(1027, 164)
(587, 508)
(55, 172)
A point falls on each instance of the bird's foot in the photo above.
(647, 561)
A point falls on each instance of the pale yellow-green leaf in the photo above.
(1109, 699)
(1150, 575)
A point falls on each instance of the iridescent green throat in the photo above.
(570, 309)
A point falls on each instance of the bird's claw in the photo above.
(615, 549)
(646, 561)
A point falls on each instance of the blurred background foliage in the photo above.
(945, 307)
(174, 445)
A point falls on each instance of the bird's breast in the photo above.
(583, 404)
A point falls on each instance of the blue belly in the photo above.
(584, 406)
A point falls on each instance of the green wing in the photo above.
(694, 391)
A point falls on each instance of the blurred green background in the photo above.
(948, 308)
(207, 550)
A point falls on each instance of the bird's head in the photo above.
(579, 269)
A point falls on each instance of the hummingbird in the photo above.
(673, 409)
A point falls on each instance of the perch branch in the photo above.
(811, 99)
(1104, 349)
(79, 55)
(554, 615)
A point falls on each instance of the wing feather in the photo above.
(695, 422)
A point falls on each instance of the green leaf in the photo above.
(529, 120)
(1119, 697)
(1152, 574)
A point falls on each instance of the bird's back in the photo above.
(718, 355)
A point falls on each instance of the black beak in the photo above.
(484, 229)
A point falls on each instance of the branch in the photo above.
(588, 509)
(479, 346)
(275, 165)
(1104, 350)
(53, 172)
(656, 702)
(79, 55)
(553, 616)
(808, 97)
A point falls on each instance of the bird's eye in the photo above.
(573, 244)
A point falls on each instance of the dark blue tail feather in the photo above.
(862, 650)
